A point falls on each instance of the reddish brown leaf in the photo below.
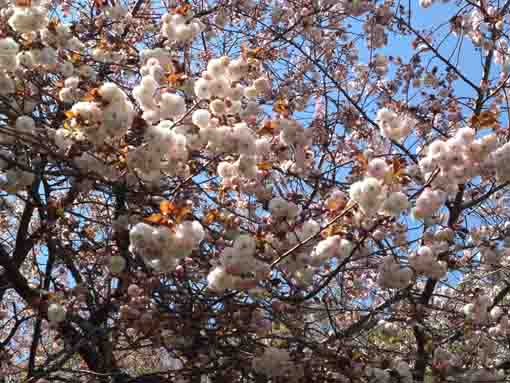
(264, 165)
(167, 208)
(155, 218)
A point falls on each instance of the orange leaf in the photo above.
(222, 193)
(177, 78)
(258, 53)
(167, 207)
(92, 95)
(334, 230)
(100, 3)
(362, 160)
(182, 10)
(74, 58)
(267, 128)
(264, 165)
(332, 204)
(155, 218)
(484, 119)
(52, 25)
(281, 106)
(23, 3)
(182, 214)
(211, 216)
(254, 52)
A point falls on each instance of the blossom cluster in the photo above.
(104, 119)
(161, 247)
(29, 19)
(393, 125)
(455, 161)
(379, 375)
(54, 37)
(274, 362)
(373, 197)
(165, 149)
(180, 28)
(238, 266)
(305, 262)
(392, 275)
(56, 313)
(157, 105)
(478, 311)
(425, 262)
(331, 247)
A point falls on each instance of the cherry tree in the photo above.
(254, 191)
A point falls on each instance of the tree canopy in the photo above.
(249, 191)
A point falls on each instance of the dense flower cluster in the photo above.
(392, 275)
(105, 119)
(164, 150)
(393, 125)
(373, 197)
(177, 27)
(29, 19)
(425, 261)
(56, 313)
(238, 267)
(274, 362)
(161, 247)
(401, 371)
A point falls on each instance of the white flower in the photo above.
(172, 106)
(163, 238)
(25, 59)
(237, 69)
(8, 47)
(261, 84)
(8, 50)
(7, 85)
(219, 280)
(65, 68)
(87, 71)
(62, 139)
(345, 248)
(226, 170)
(281, 208)
(201, 118)
(395, 203)
(250, 92)
(245, 245)
(201, 88)
(25, 124)
(48, 56)
(325, 249)
(56, 313)
(217, 107)
(116, 12)
(216, 67)
(28, 19)
(235, 93)
(87, 110)
(218, 87)
(308, 229)
(111, 92)
(72, 82)
(183, 32)
(117, 264)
